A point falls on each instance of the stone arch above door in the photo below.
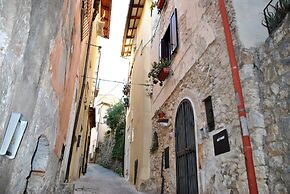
(196, 101)
(197, 105)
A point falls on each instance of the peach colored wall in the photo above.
(140, 105)
(64, 84)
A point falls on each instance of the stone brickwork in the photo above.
(273, 66)
(265, 75)
(201, 69)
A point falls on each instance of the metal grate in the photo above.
(274, 13)
(186, 162)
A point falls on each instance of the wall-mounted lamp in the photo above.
(162, 120)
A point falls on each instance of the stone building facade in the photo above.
(265, 73)
(43, 56)
(201, 72)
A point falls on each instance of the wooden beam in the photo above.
(137, 6)
(134, 17)
(130, 37)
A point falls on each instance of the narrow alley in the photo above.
(99, 180)
(144, 96)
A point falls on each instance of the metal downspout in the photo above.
(252, 183)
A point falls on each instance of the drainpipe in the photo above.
(252, 183)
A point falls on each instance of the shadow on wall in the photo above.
(35, 180)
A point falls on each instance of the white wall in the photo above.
(249, 17)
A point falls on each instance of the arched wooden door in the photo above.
(186, 167)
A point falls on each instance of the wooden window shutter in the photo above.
(173, 32)
(160, 50)
(163, 52)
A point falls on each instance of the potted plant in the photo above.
(126, 89)
(126, 102)
(160, 71)
(160, 4)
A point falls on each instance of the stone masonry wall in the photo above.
(265, 75)
(273, 67)
(209, 74)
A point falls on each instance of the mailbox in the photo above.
(13, 135)
(221, 142)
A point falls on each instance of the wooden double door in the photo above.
(186, 163)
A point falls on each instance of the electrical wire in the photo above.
(120, 82)
(107, 93)
(153, 36)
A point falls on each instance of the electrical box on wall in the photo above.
(221, 142)
(13, 135)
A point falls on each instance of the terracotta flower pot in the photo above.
(161, 115)
(163, 73)
(160, 4)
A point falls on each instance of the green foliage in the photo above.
(285, 4)
(115, 116)
(157, 67)
(116, 121)
(105, 165)
(119, 171)
(118, 150)
(107, 134)
(276, 16)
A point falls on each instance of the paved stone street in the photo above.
(102, 181)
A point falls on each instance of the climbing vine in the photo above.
(116, 121)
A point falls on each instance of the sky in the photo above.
(113, 66)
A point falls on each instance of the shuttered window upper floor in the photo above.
(169, 42)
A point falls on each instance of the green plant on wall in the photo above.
(156, 69)
(116, 121)
(274, 14)
(286, 5)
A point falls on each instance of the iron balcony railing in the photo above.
(274, 13)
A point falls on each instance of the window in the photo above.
(79, 141)
(209, 113)
(166, 157)
(135, 171)
(169, 42)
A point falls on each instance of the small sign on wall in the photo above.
(221, 142)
